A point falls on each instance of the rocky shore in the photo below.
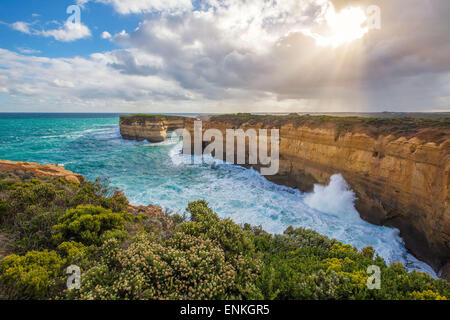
(398, 168)
(39, 171)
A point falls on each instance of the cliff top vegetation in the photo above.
(141, 118)
(431, 130)
(128, 252)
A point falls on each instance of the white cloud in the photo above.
(81, 82)
(142, 6)
(66, 33)
(63, 83)
(69, 32)
(82, 2)
(21, 26)
(28, 51)
(106, 35)
(235, 55)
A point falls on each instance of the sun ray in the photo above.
(342, 27)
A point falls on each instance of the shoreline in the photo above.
(390, 164)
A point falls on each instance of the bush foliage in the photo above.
(57, 224)
(88, 224)
(33, 276)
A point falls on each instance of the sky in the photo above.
(183, 56)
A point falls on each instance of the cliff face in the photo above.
(400, 172)
(148, 127)
(399, 169)
(39, 171)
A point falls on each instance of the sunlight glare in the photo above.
(344, 27)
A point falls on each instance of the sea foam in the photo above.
(247, 197)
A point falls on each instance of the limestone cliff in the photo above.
(399, 170)
(39, 171)
(152, 128)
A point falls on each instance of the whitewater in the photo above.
(157, 173)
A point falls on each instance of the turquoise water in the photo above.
(159, 174)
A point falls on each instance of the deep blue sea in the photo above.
(159, 174)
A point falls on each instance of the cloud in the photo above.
(81, 3)
(21, 26)
(68, 32)
(235, 55)
(81, 82)
(261, 46)
(106, 35)
(28, 51)
(144, 6)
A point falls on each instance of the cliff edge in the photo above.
(398, 168)
(152, 128)
(39, 171)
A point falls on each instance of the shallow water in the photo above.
(159, 174)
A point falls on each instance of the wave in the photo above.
(246, 196)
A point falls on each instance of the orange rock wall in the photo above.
(399, 181)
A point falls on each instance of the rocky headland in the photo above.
(39, 171)
(152, 128)
(398, 168)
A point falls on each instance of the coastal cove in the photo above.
(156, 173)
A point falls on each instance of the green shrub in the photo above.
(34, 228)
(33, 276)
(87, 224)
(4, 208)
(177, 218)
(33, 193)
(96, 193)
(117, 203)
(77, 254)
(302, 264)
(6, 185)
(204, 257)
(427, 295)
(206, 223)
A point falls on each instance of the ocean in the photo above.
(157, 173)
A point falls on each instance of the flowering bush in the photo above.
(140, 256)
(184, 267)
(302, 264)
(237, 243)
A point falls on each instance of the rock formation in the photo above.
(39, 171)
(152, 128)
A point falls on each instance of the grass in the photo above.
(437, 130)
(141, 118)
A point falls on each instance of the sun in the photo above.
(342, 28)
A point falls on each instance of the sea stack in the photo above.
(152, 128)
